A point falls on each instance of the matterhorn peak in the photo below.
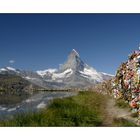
(75, 52)
(73, 62)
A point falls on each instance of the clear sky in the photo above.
(41, 41)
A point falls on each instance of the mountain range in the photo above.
(74, 73)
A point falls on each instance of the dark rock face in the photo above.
(73, 62)
(12, 83)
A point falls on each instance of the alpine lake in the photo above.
(11, 104)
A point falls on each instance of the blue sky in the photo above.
(41, 41)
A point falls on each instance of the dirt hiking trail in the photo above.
(113, 111)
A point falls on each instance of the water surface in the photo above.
(25, 102)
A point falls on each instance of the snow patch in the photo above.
(91, 74)
(10, 68)
(76, 52)
(29, 78)
(107, 74)
(65, 74)
(3, 69)
(44, 72)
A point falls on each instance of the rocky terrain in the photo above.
(15, 84)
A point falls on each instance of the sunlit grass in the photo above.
(85, 109)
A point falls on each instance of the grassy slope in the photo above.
(85, 109)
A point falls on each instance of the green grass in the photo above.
(135, 115)
(121, 122)
(121, 103)
(85, 109)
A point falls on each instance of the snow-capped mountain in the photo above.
(31, 76)
(23, 73)
(10, 70)
(73, 73)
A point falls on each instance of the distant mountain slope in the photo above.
(12, 83)
(74, 73)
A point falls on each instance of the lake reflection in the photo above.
(25, 102)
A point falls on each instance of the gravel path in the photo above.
(113, 111)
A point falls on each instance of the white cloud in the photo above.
(11, 61)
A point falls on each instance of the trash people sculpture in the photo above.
(126, 83)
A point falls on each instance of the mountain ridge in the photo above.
(74, 73)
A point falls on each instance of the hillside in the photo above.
(10, 83)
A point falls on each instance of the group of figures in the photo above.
(126, 83)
